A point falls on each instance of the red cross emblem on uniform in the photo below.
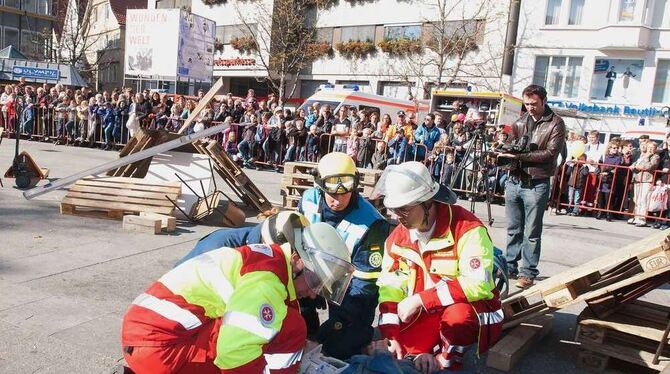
(475, 263)
(267, 314)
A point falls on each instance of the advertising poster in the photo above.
(151, 37)
(616, 80)
(196, 47)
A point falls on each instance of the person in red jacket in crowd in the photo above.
(436, 286)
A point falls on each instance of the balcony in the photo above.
(623, 38)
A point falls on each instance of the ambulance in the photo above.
(497, 108)
(350, 95)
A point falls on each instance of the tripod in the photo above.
(478, 159)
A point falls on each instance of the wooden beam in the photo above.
(510, 349)
(202, 104)
(148, 225)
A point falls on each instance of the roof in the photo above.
(61, 13)
(119, 8)
(12, 52)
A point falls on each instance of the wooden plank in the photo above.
(72, 210)
(162, 188)
(167, 222)
(655, 261)
(105, 205)
(134, 181)
(202, 104)
(511, 348)
(120, 192)
(147, 225)
(157, 200)
(624, 353)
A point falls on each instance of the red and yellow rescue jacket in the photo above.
(249, 289)
(455, 267)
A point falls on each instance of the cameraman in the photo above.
(527, 189)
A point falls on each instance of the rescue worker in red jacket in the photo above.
(235, 310)
(436, 286)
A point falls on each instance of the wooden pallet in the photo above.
(632, 335)
(233, 175)
(304, 169)
(143, 139)
(114, 197)
(630, 265)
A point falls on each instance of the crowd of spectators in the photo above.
(616, 180)
(608, 181)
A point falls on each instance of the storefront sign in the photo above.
(35, 73)
(228, 62)
(613, 110)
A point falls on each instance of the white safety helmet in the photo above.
(410, 183)
(284, 227)
(328, 270)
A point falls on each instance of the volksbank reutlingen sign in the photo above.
(614, 110)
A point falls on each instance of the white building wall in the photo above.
(379, 67)
(600, 36)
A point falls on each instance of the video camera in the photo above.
(519, 146)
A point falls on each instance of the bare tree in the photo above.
(284, 40)
(75, 44)
(455, 32)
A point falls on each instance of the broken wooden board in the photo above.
(142, 140)
(143, 224)
(631, 334)
(114, 197)
(513, 346)
(168, 223)
(202, 104)
(633, 263)
(234, 176)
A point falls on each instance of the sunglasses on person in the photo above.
(403, 211)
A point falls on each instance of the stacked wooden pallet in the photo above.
(143, 139)
(606, 284)
(630, 335)
(114, 197)
(298, 177)
(233, 175)
(645, 262)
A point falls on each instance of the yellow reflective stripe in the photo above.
(475, 248)
(389, 319)
(409, 254)
(168, 310)
(367, 274)
(491, 318)
(248, 323)
(278, 361)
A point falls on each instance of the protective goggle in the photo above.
(403, 211)
(339, 184)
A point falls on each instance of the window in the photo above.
(170, 4)
(576, 10)
(402, 32)
(106, 10)
(228, 32)
(559, 75)
(472, 29)
(398, 90)
(28, 43)
(358, 33)
(553, 11)
(11, 37)
(626, 10)
(308, 87)
(94, 15)
(661, 92)
(13, 3)
(44, 6)
(30, 6)
(324, 34)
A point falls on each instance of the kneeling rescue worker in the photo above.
(336, 201)
(436, 287)
(235, 310)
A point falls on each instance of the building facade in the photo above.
(371, 24)
(605, 59)
(27, 25)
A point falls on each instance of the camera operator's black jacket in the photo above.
(546, 143)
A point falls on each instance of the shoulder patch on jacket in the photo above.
(261, 248)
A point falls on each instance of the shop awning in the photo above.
(11, 69)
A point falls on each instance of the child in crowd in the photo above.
(607, 170)
(312, 144)
(398, 146)
(366, 147)
(580, 172)
(448, 169)
(231, 146)
(380, 157)
(352, 143)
